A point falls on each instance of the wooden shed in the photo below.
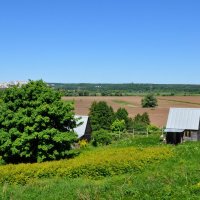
(183, 124)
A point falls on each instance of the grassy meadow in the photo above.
(132, 168)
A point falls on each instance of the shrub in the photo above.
(101, 137)
(83, 143)
(152, 129)
(2, 162)
(118, 126)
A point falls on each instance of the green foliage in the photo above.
(149, 101)
(35, 125)
(141, 122)
(101, 116)
(2, 162)
(83, 143)
(145, 118)
(94, 164)
(122, 114)
(118, 126)
(152, 129)
(138, 141)
(101, 137)
(1, 92)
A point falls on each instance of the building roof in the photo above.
(173, 130)
(80, 130)
(183, 119)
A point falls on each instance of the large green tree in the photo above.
(35, 125)
(101, 116)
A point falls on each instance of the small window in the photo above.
(187, 133)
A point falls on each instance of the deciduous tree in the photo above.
(149, 101)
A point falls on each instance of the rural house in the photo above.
(84, 130)
(183, 125)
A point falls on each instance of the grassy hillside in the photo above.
(162, 172)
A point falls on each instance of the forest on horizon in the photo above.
(126, 89)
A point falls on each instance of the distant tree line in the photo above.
(87, 89)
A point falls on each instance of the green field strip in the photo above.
(124, 103)
(179, 101)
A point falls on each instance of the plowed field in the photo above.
(158, 116)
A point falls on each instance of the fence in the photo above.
(146, 132)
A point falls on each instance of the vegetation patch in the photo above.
(92, 164)
(124, 103)
(179, 101)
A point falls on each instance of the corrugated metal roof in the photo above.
(80, 130)
(183, 118)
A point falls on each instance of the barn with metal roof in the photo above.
(183, 124)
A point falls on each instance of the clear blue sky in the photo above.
(112, 41)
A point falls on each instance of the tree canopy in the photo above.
(141, 122)
(35, 125)
(122, 114)
(101, 116)
(149, 101)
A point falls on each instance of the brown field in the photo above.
(158, 116)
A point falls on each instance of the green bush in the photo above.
(101, 137)
(118, 126)
(2, 162)
(152, 129)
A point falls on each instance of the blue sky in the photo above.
(104, 41)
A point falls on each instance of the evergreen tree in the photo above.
(145, 118)
(141, 122)
(101, 116)
(35, 125)
(122, 114)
